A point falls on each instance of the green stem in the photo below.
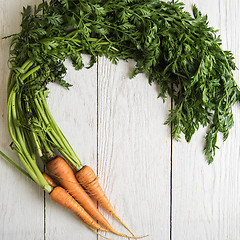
(14, 136)
(15, 165)
(55, 138)
(35, 138)
(57, 132)
(30, 72)
(11, 82)
(48, 154)
(20, 142)
(37, 144)
(12, 75)
(24, 68)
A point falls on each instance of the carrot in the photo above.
(59, 168)
(88, 179)
(49, 179)
(62, 197)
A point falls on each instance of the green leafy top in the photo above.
(178, 51)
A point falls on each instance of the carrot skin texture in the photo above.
(62, 197)
(60, 169)
(88, 179)
(49, 179)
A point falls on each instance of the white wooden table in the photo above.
(158, 186)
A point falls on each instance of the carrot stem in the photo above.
(21, 140)
(30, 73)
(15, 165)
(55, 139)
(64, 147)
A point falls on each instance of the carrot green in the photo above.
(175, 49)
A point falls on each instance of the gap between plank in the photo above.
(97, 127)
(44, 215)
(44, 198)
(171, 180)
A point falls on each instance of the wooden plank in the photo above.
(206, 198)
(133, 150)
(229, 194)
(21, 200)
(75, 112)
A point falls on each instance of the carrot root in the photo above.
(49, 179)
(89, 181)
(60, 169)
(62, 197)
(71, 190)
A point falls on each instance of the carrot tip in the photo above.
(120, 220)
(97, 232)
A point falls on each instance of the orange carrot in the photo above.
(49, 179)
(88, 179)
(59, 194)
(62, 197)
(59, 168)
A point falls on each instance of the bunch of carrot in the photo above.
(34, 132)
(36, 58)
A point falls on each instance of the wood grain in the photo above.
(205, 198)
(75, 112)
(115, 125)
(134, 149)
(21, 201)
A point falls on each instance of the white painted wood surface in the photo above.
(21, 202)
(206, 197)
(116, 126)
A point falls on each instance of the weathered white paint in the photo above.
(116, 126)
(75, 111)
(21, 201)
(134, 149)
(206, 198)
